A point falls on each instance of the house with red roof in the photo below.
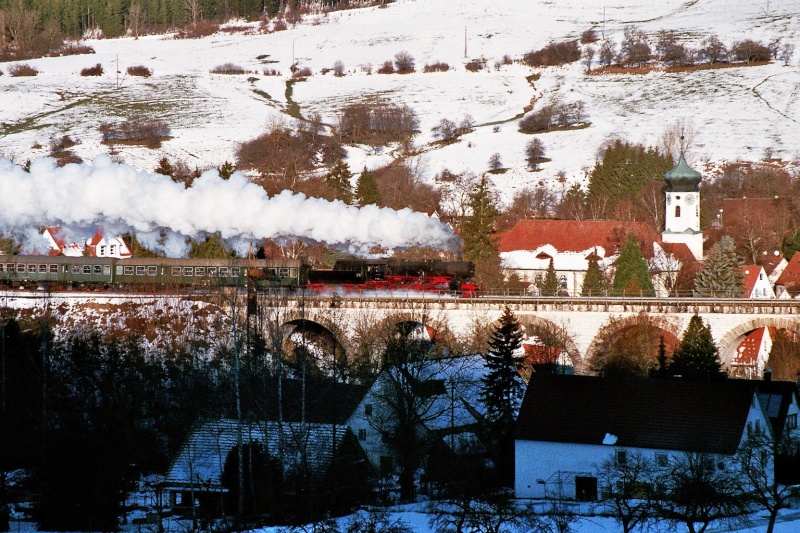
(99, 245)
(788, 283)
(751, 356)
(530, 245)
(756, 283)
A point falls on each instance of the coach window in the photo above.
(87, 269)
(152, 270)
(128, 270)
(212, 271)
(223, 272)
(176, 271)
(140, 271)
(42, 269)
(31, 269)
(53, 269)
(10, 267)
(76, 269)
(236, 271)
(200, 271)
(20, 268)
(98, 269)
(106, 270)
(293, 272)
(272, 272)
(283, 272)
(187, 271)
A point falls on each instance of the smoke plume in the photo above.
(163, 213)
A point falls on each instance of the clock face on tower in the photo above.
(689, 199)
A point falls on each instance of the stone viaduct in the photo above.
(583, 319)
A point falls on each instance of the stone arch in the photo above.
(728, 343)
(616, 325)
(532, 323)
(318, 339)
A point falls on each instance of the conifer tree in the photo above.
(478, 229)
(502, 392)
(226, 170)
(632, 277)
(338, 179)
(367, 188)
(550, 285)
(165, 167)
(696, 357)
(594, 283)
(721, 275)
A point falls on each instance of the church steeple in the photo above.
(682, 220)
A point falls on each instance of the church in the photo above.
(530, 245)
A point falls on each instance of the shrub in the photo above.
(475, 65)
(338, 68)
(145, 131)
(139, 70)
(534, 152)
(72, 49)
(227, 68)
(589, 36)
(537, 121)
(271, 72)
(304, 72)
(278, 25)
(446, 130)
(507, 59)
(204, 28)
(1, 72)
(59, 145)
(750, 51)
(404, 62)
(436, 67)
(386, 68)
(96, 70)
(22, 69)
(554, 54)
(376, 124)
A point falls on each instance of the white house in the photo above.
(569, 426)
(98, 246)
(756, 283)
(444, 395)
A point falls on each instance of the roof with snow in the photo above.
(790, 277)
(749, 278)
(607, 236)
(202, 458)
(667, 414)
(747, 353)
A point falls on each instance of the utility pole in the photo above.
(465, 42)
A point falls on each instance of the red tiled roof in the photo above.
(679, 251)
(791, 275)
(575, 235)
(747, 351)
(750, 278)
(770, 262)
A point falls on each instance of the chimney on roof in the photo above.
(768, 374)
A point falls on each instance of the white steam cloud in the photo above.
(163, 213)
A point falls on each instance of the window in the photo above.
(103, 248)
(538, 279)
(128, 271)
(293, 273)
(97, 269)
(283, 272)
(791, 421)
(200, 271)
(9, 267)
(758, 426)
(31, 269)
(212, 271)
(562, 282)
(106, 270)
(187, 271)
(112, 250)
(141, 270)
(622, 457)
(152, 270)
(362, 434)
(76, 269)
(53, 269)
(677, 211)
(176, 271)
(87, 269)
(662, 460)
(235, 271)
(21, 268)
(367, 409)
(585, 488)
(42, 269)
(223, 272)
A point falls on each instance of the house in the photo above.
(756, 283)
(530, 245)
(98, 246)
(444, 395)
(781, 402)
(789, 280)
(569, 426)
(308, 454)
(749, 361)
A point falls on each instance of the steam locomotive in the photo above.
(61, 272)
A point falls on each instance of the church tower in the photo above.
(682, 220)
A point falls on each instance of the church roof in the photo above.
(683, 178)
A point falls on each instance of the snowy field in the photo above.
(739, 113)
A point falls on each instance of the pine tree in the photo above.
(367, 188)
(550, 285)
(632, 277)
(338, 179)
(721, 275)
(165, 167)
(502, 389)
(502, 393)
(696, 357)
(226, 170)
(478, 230)
(594, 283)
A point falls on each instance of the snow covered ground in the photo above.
(739, 113)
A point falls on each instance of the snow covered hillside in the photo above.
(739, 113)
